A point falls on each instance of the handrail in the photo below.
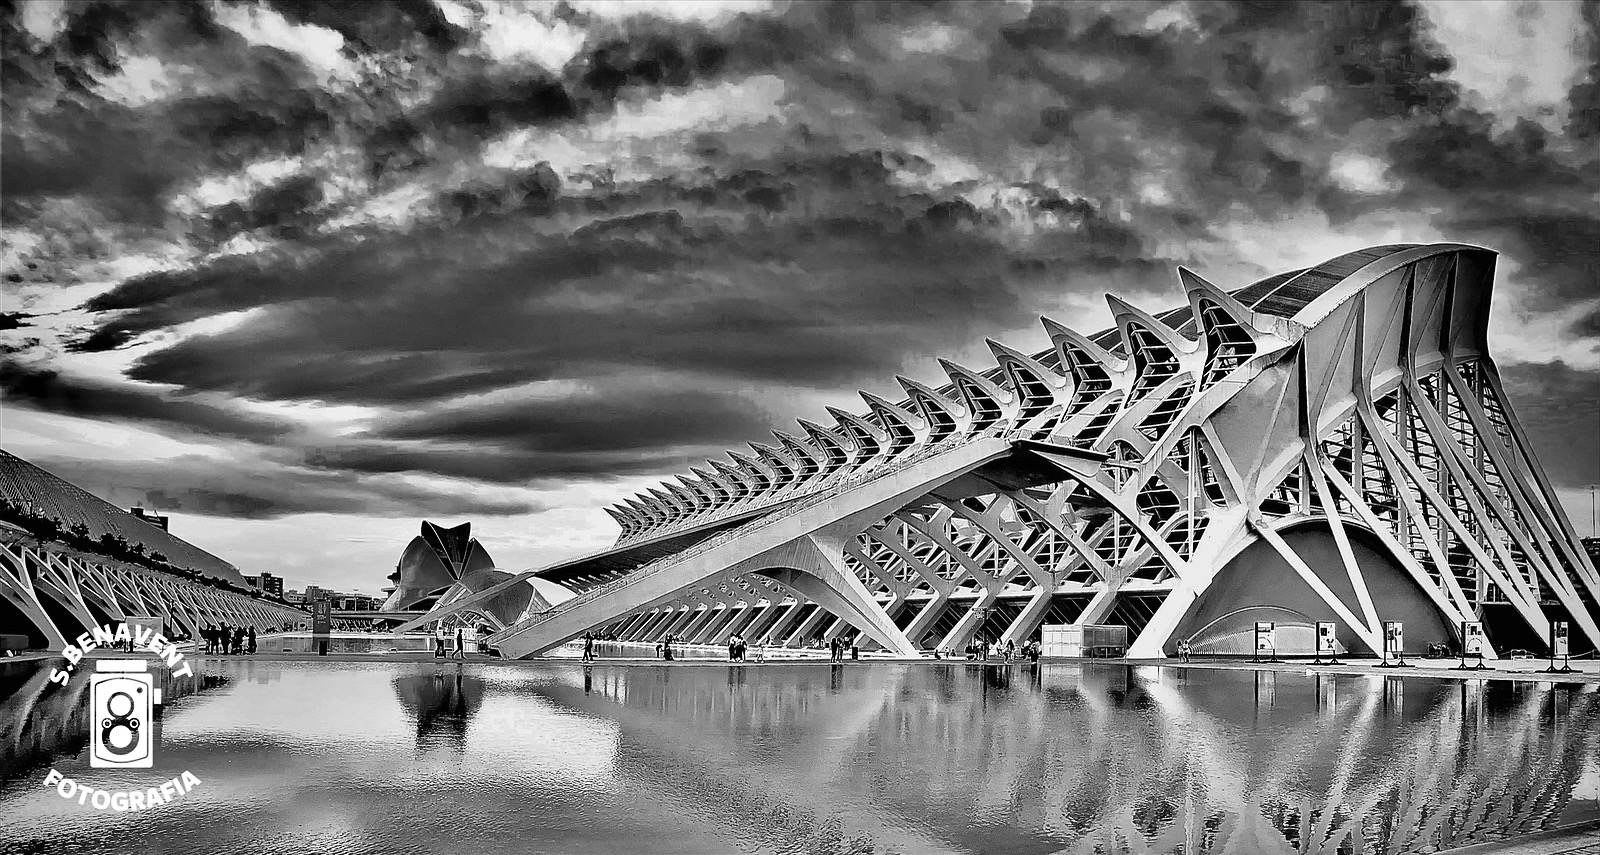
(665, 562)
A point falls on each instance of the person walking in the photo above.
(252, 639)
(761, 648)
(588, 647)
(666, 648)
(438, 642)
(461, 645)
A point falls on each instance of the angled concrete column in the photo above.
(826, 580)
(675, 629)
(844, 508)
(784, 625)
(928, 614)
(17, 589)
(807, 629)
(1029, 619)
(962, 632)
(625, 627)
(712, 631)
(652, 631)
(762, 626)
(692, 629)
(740, 622)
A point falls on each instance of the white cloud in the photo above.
(641, 140)
(318, 46)
(1517, 58)
(1517, 334)
(682, 10)
(515, 32)
(1359, 173)
(43, 18)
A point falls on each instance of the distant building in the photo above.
(316, 592)
(150, 517)
(296, 597)
(266, 583)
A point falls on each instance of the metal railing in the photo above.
(669, 561)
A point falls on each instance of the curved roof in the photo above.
(24, 484)
(1285, 294)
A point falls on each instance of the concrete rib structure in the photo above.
(1332, 443)
(52, 591)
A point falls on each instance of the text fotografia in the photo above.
(141, 637)
(121, 800)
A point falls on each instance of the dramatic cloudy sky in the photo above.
(302, 274)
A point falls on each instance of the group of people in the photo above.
(982, 649)
(737, 649)
(1183, 650)
(226, 639)
(441, 639)
(664, 648)
(836, 648)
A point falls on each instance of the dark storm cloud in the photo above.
(284, 209)
(62, 139)
(44, 389)
(1560, 409)
(1518, 189)
(372, 26)
(790, 292)
(1583, 121)
(255, 489)
(597, 433)
(931, 173)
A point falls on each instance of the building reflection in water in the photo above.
(442, 704)
(41, 721)
(1107, 758)
(943, 757)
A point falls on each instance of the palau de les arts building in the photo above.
(1328, 444)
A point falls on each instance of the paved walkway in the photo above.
(1585, 672)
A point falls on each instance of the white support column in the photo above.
(970, 623)
(833, 585)
(1029, 618)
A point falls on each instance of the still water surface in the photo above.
(339, 757)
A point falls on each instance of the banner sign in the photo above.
(1325, 635)
(322, 616)
(1394, 638)
(1472, 637)
(1266, 637)
(1558, 638)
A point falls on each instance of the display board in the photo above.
(322, 616)
(1325, 637)
(1394, 639)
(1266, 637)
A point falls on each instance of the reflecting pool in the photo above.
(342, 757)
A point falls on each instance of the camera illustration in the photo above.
(122, 699)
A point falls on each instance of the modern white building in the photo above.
(1327, 444)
